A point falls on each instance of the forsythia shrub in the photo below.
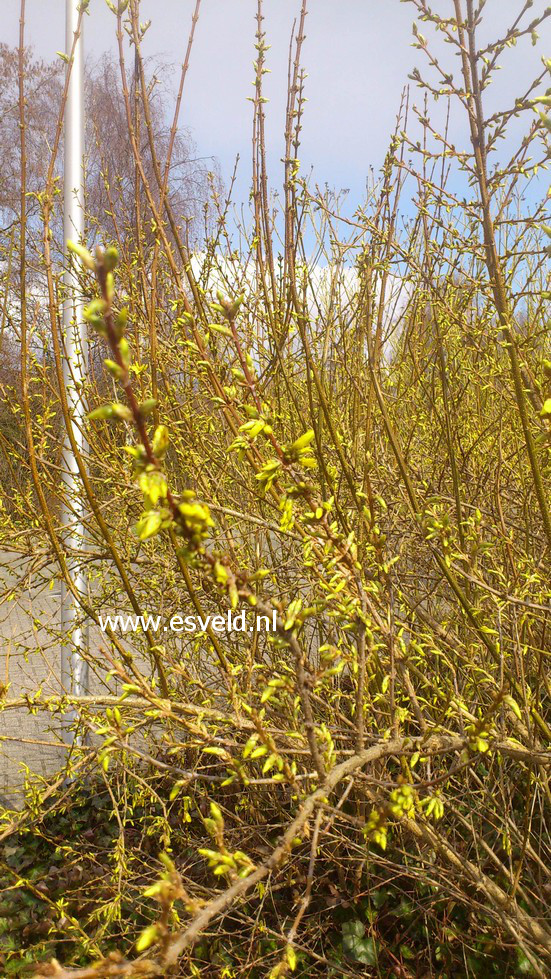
(362, 445)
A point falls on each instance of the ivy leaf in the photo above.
(407, 952)
(523, 964)
(356, 945)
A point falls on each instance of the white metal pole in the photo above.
(74, 669)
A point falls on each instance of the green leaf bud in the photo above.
(110, 286)
(160, 441)
(148, 936)
(121, 320)
(124, 351)
(303, 441)
(121, 412)
(83, 253)
(148, 525)
(148, 406)
(110, 258)
(98, 414)
(114, 369)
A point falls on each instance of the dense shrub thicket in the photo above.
(345, 420)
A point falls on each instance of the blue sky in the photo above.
(357, 54)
